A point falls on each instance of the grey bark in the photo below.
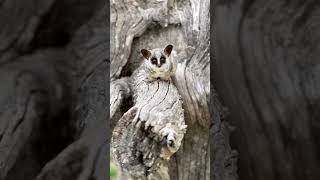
(154, 24)
(151, 131)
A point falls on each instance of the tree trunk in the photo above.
(137, 25)
(267, 73)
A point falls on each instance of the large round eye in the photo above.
(162, 60)
(154, 60)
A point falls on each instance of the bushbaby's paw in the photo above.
(169, 136)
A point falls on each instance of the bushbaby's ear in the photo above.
(146, 54)
(168, 50)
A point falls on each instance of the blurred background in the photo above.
(267, 73)
(54, 69)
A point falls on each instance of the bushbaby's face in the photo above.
(158, 63)
(157, 57)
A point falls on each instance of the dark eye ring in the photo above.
(162, 60)
(154, 61)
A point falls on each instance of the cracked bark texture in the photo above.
(151, 131)
(268, 75)
(54, 60)
(154, 24)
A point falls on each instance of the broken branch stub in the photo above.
(151, 131)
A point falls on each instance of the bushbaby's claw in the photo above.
(135, 119)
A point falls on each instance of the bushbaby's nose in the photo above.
(159, 65)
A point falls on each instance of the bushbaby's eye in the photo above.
(154, 60)
(162, 60)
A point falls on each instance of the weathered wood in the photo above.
(151, 131)
(119, 94)
(130, 19)
(137, 25)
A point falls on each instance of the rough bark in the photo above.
(53, 64)
(151, 131)
(267, 74)
(154, 24)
